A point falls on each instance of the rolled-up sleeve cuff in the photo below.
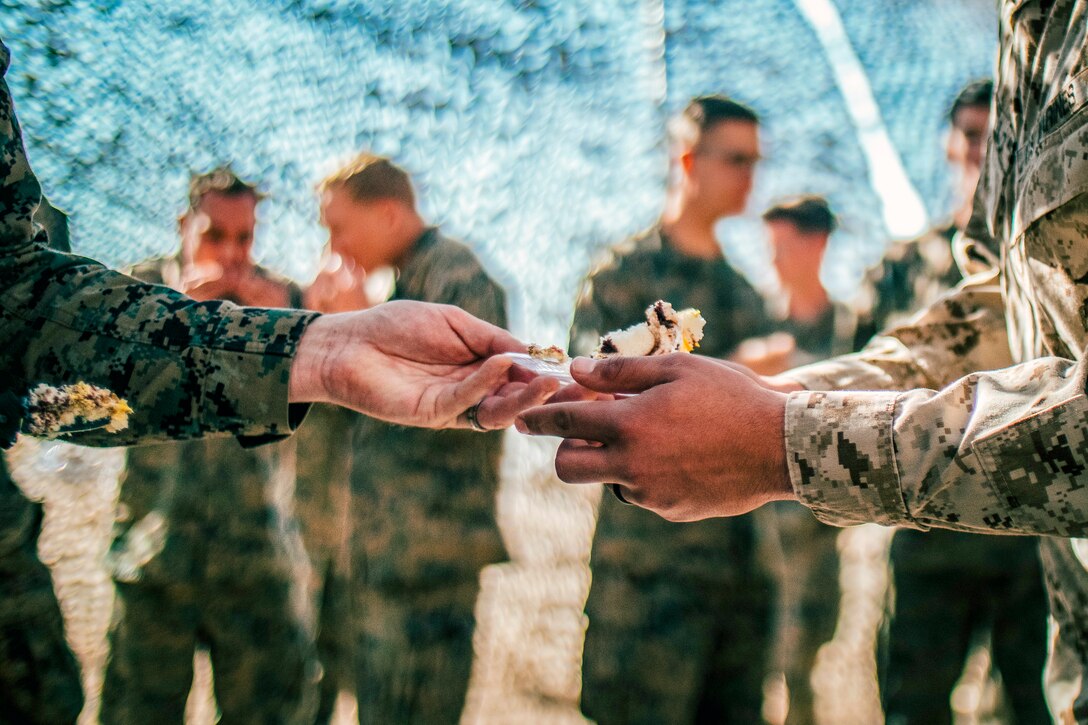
(841, 456)
(248, 373)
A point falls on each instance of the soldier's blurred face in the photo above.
(719, 169)
(797, 255)
(220, 231)
(359, 230)
(967, 139)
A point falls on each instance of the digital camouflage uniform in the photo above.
(203, 557)
(949, 587)
(424, 526)
(323, 455)
(1001, 451)
(807, 564)
(912, 275)
(679, 614)
(187, 368)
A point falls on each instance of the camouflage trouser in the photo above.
(334, 639)
(947, 587)
(322, 496)
(263, 665)
(413, 651)
(668, 649)
(808, 602)
(39, 676)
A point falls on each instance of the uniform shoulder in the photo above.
(154, 270)
(294, 289)
(617, 260)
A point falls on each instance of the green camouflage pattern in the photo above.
(203, 556)
(187, 368)
(912, 275)
(423, 515)
(39, 676)
(679, 614)
(973, 443)
(323, 456)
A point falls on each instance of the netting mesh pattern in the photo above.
(534, 128)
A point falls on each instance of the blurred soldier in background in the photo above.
(203, 555)
(807, 563)
(423, 509)
(679, 614)
(322, 459)
(953, 590)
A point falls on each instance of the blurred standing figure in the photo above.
(423, 502)
(951, 589)
(679, 614)
(808, 563)
(322, 467)
(203, 555)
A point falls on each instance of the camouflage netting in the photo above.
(534, 128)
(535, 131)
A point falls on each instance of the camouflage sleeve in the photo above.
(186, 368)
(995, 452)
(960, 333)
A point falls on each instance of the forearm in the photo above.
(186, 368)
(995, 452)
(959, 334)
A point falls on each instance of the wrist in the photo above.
(307, 382)
(777, 475)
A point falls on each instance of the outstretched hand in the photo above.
(700, 438)
(414, 363)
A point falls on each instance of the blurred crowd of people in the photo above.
(348, 557)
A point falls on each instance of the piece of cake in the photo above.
(551, 353)
(664, 331)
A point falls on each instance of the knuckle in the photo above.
(563, 420)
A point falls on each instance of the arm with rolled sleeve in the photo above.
(186, 368)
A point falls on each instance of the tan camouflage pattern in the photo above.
(1002, 450)
(912, 275)
(322, 466)
(423, 526)
(946, 590)
(206, 554)
(679, 614)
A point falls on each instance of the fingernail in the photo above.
(519, 425)
(582, 365)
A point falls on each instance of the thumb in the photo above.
(625, 374)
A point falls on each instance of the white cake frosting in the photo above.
(664, 331)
